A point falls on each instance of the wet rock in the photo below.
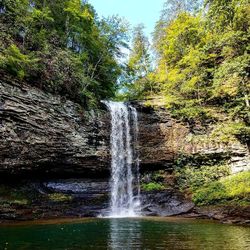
(165, 203)
(79, 186)
(56, 198)
(225, 214)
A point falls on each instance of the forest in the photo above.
(197, 63)
(62, 47)
(201, 62)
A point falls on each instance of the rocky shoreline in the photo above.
(45, 139)
(80, 198)
(224, 214)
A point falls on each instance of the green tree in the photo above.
(203, 62)
(170, 11)
(136, 79)
(62, 46)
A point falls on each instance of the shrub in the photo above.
(152, 186)
(228, 132)
(233, 189)
(17, 63)
(193, 177)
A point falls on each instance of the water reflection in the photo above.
(124, 235)
(130, 234)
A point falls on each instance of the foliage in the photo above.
(17, 63)
(202, 61)
(233, 189)
(135, 79)
(62, 46)
(213, 184)
(170, 11)
(194, 177)
(152, 186)
(228, 131)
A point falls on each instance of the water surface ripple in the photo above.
(149, 233)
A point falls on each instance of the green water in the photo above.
(126, 234)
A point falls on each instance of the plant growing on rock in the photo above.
(230, 190)
(153, 186)
(193, 177)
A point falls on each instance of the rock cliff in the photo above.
(163, 140)
(42, 133)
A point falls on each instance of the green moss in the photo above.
(153, 186)
(233, 189)
(20, 202)
(58, 197)
(154, 180)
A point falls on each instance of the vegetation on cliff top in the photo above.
(202, 62)
(62, 46)
(200, 66)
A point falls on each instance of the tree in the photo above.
(203, 60)
(170, 11)
(136, 79)
(139, 58)
(74, 53)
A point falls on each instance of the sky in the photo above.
(135, 11)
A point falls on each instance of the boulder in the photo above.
(165, 203)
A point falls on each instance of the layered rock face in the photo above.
(45, 134)
(42, 133)
(163, 140)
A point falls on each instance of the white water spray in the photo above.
(125, 191)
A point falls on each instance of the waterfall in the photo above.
(136, 154)
(125, 191)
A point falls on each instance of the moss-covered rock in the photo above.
(59, 197)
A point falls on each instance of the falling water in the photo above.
(136, 157)
(125, 192)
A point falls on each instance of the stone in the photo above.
(44, 137)
(41, 133)
(165, 203)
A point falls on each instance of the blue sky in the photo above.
(135, 11)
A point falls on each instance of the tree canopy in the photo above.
(62, 46)
(134, 80)
(202, 59)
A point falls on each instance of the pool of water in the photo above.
(149, 233)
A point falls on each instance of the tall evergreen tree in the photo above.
(138, 67)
